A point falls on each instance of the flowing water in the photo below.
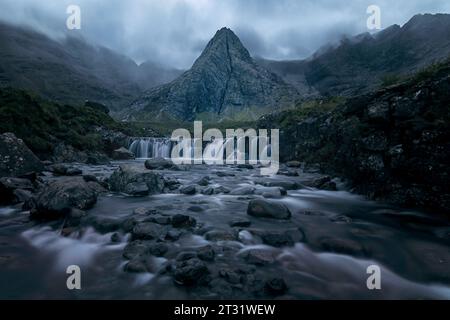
(343, 234)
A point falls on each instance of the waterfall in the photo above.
(145, 148)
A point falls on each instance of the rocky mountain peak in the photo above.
(224, 46)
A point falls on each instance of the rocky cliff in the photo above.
(392, 144)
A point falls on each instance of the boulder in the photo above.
(147, 231)
(159, 164)
(189, 272)
(220, 235)
(183, 221)
(268, 209)
(136, 182)
(259, 256)
(15, 157)
(241, 191)
(12, 190)
(59, 197)
(122, 154)
(188, 190)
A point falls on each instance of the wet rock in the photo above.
(240, 222)
(90, 178)
(159, 164)
(186, 255)
(147, 231)
(188, 190)
(173, 235)
(129, 224)
(225, 174)
(206, 253)
(144, 211)
(259, 256)
(22, 196)
(271, 192)
(208, 191)
(73, 172)
(203, 181)
(245, 166)
(105, 225)
(344, 246)
(221, 190)
(15, 157)
(286, 185)
(220, 235)
(230, 276)
(241, 191)
(183, 221)
(136, 265)
(276, 286)
(14, 190)
(268, 209)
(122, 154)
(115, 237)
(189, 272)
(135, 248)
(196, 209)
(158, 249)
(294, 164)
(56, 199)
(280, 238)
(160, 219)
(136, 182)
(288, 172)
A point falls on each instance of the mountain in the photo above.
(224, 82)
(360, 64)
(71, 70)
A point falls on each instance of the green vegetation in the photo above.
(43, 124)
(390, 79)
(308, 109)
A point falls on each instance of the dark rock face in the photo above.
(136, 182)
(268, 209)
(14, 190)
(15, 157)
(223, 81)
(393, 144)
(59, 197)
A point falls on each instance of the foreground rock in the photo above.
(14, 190)
(60, 197)
(159, 164)
(136, 182)
(268, 209)
(16, 158)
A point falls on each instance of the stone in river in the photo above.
(188, 190)
(268, 209)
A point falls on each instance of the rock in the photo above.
(208, 191)
(268, 209)
(189, 272)
(67, 154)
(160, 219)
(122, 154)
(57, 199)
(271, 192)
(230, 276)
(135, 248)
(245, 166)
(196, 209)
(97, 159)
(206, 253)
(221, 189)
(280, 238)
(286, 185)
(173, 235)
(294, 164)
(136, 265)
(244, 223)
(105, 225)
(74, 172)
(186, 255)
(147, 231)
(220, 235)
(318, 182)
(144, 211)
(183, 221)
(259, 256)
(287, 172)
(203, 181)
(90, 178)
(14, 190)
(159, 164)
(188, 190)
(241, 191)
(158, 249)
(224, 174)
(15, 157)
(136, 182)
(276, 286)
(344, 246)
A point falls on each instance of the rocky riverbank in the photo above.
(212, 232)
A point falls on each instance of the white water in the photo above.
(145, 148)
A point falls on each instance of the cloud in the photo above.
(173, 32)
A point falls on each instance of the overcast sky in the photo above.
(174, 32)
